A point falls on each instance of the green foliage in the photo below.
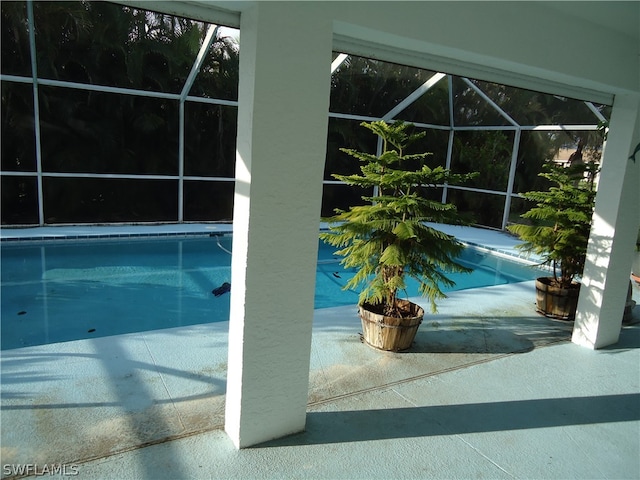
(388, 239)
(106, 44)
(560, 222)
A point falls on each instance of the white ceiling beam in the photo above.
(338, 61)
(486, 98)
(421, 90)
(212, 32)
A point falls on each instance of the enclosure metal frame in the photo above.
(183, 97)
(514, 126)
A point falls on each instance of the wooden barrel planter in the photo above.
(391, 333)
(556, 302)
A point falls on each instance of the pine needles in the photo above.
(560, 222)
(388, 240)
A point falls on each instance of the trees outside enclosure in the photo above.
(110, 84)
(112, 111)
(507, 134)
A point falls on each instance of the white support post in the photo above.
(282, 130)
(615, 225)
(36, 111)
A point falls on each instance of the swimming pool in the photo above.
(56, 291)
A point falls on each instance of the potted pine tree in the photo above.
(388, 240)
(558, 232)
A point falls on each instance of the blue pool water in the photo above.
(58, 291)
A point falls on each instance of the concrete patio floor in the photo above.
(490, 389)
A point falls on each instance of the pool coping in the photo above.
(494, 241)
(86, 232)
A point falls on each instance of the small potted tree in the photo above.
(389, 240)
(558, 234)
(635, 265)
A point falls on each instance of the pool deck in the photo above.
(490, 389)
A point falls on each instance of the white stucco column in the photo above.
(613, 233)
(282, 131)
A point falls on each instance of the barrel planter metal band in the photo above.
(556, 302)
(391, 333)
